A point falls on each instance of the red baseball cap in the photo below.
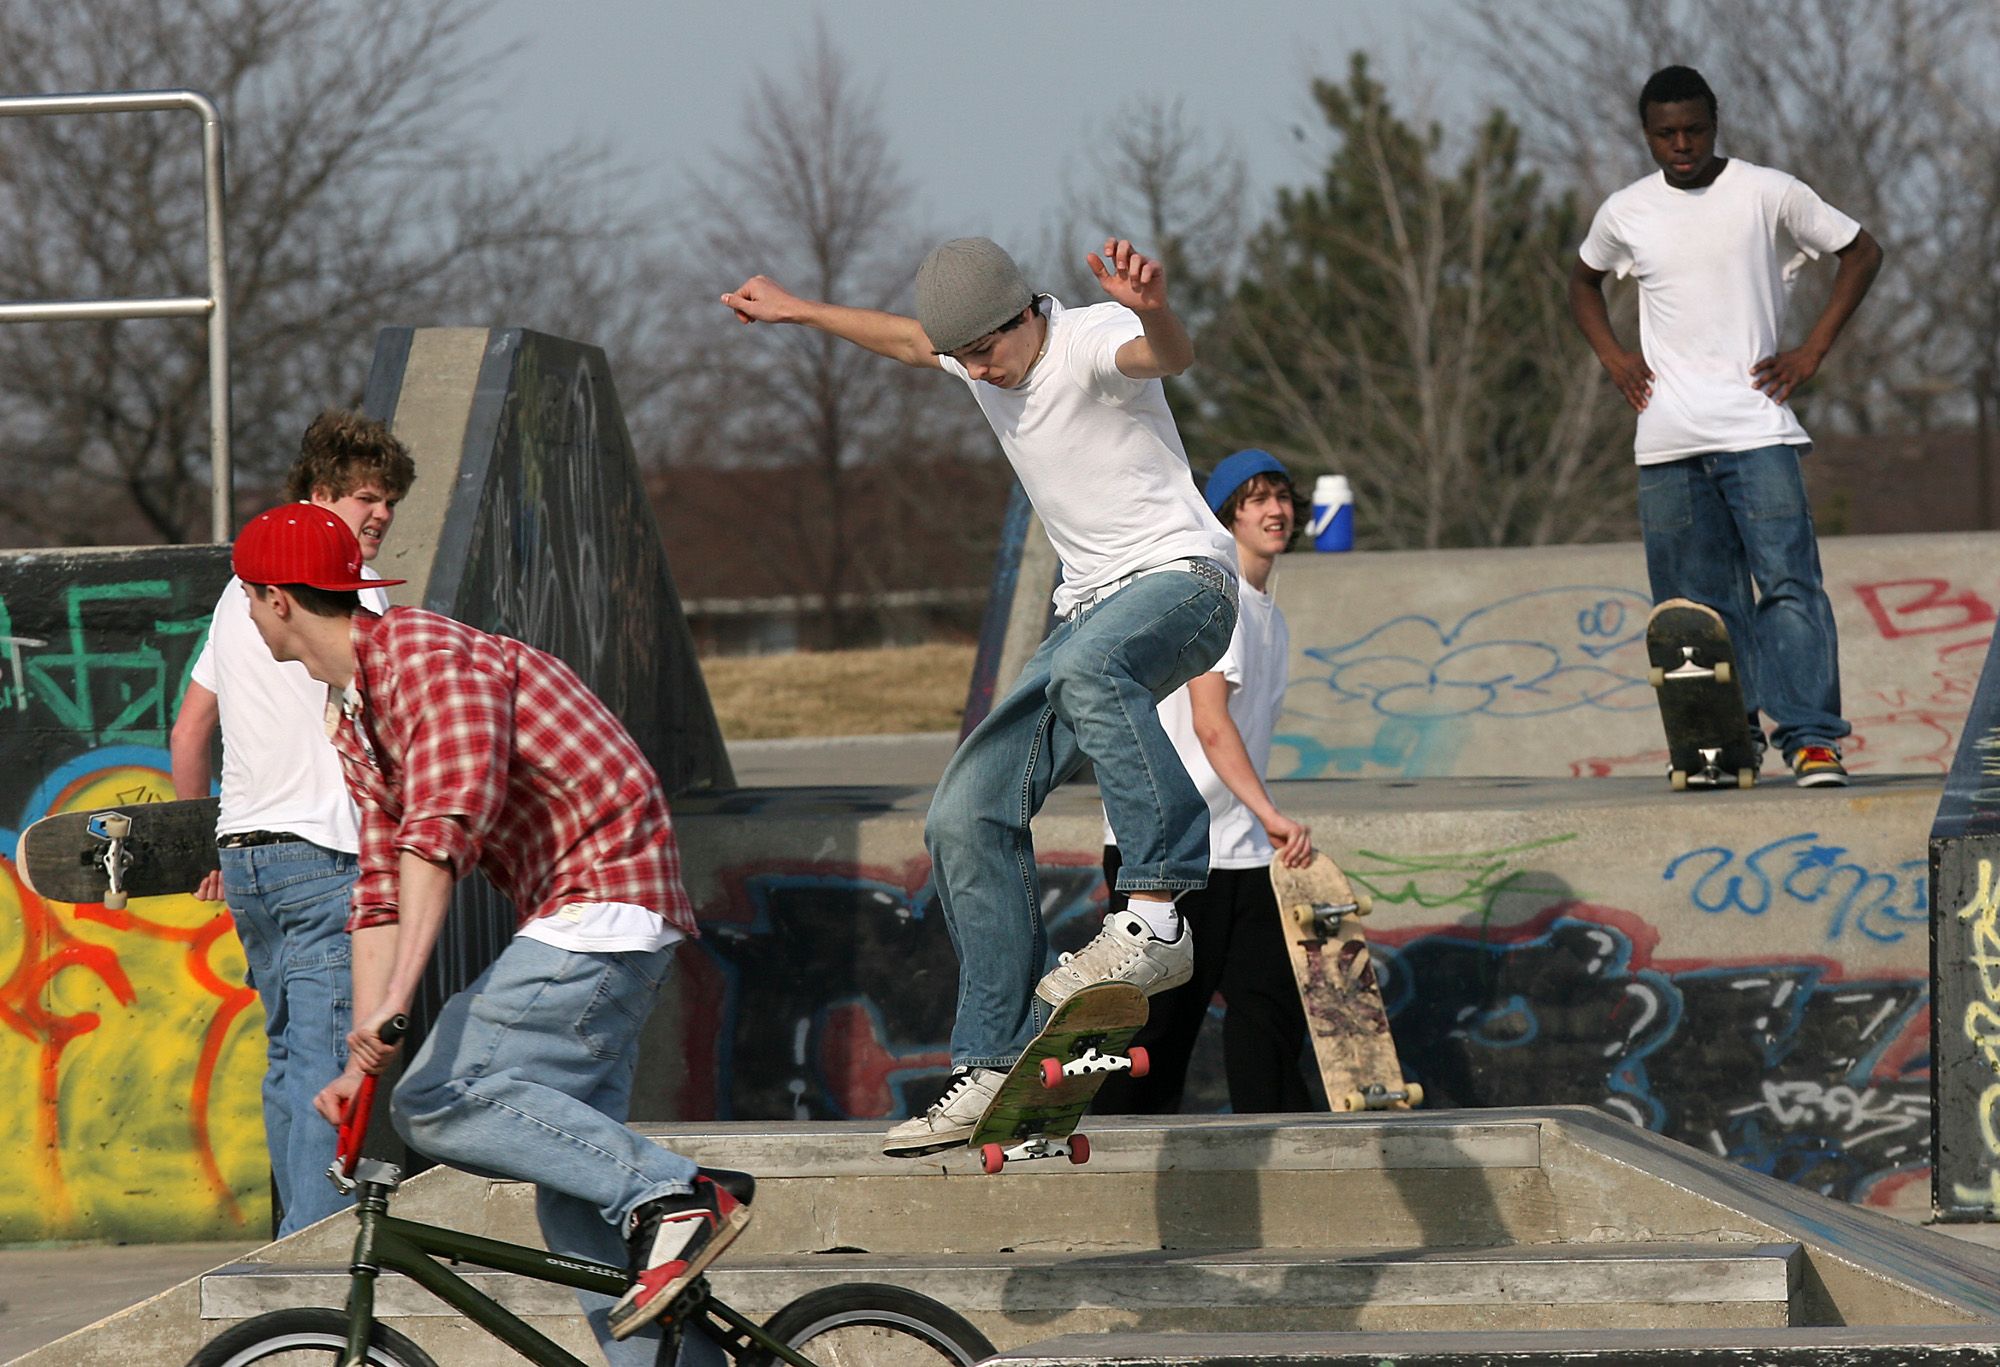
(301, 543)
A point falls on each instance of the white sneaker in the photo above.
(950, 1119)
(1123, 952)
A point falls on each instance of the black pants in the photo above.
(1239, 951)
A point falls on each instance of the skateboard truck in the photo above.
(1075, 1147)
(1688, 669)
(114, 858)
(1322, 919)
(1376, 1097)
(1054, 1070)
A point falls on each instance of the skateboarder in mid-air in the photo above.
(1722, 502)
(1221, 724)
(1147, 602)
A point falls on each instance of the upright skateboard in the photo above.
(1036, 1111)
(1701, 697)
(147, 849)
(1344, 1013)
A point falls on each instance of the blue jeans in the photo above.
(1715, 525)
(527, 1075)
(1089, 693)
(289, 902)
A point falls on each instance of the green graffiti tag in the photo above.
(1474, 879)
(113, 696)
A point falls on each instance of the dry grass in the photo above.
(840, 693)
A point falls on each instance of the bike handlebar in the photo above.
(354, 1125)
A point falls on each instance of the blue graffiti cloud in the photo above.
(1497, 661)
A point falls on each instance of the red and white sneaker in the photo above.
(674, 1238)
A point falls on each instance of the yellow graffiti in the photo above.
(134, 1055)
(1982, 1025)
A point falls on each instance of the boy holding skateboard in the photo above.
(1221, 725)
(465, 750)
(288, 832)
(1146, 603)
(1722, 500)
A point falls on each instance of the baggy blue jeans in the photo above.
(1717, 524)
(289, 902)
(527, 1075)
(1089, 694)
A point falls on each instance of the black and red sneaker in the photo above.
(674, 1238)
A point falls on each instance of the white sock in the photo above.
(1163, 919)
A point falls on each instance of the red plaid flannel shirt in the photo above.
(473, 749)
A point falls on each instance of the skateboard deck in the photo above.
(1344, 1014)
(145, 849)
(1693, 669)
(1036, 1111)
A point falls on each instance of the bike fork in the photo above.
(363, 1270)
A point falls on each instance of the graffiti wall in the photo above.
(1534, 662)
(1965, 967)
(1762, 997)
(131, 1049)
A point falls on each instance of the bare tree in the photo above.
(355, 201)
(1163, 181)
(815, 200)
(1402, 323)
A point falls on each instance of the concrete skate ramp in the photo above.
(1744, 972)
(1532, 662)
(529, 519)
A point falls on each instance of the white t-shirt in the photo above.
(1099, 456)
(1255, 667)
(602, 928)
(1715, 267)
(279, 771)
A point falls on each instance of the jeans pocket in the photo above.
(619, 1007)
(1773, 486)
(1664, 502)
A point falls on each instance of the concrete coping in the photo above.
(1223, 1143)
(1838, 1347)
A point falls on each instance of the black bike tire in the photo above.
(304, 1327)
(876, 1303)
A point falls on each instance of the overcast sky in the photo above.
(987, 105)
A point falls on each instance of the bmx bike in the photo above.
(868, 1324)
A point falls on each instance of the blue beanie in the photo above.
(1236, 471)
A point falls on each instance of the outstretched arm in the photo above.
(1140, 284)
(1628, 369)
(761, 299)
(1779, 375)
(1223, 745)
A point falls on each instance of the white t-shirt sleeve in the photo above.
(203, 669)
(1230, 666)
(1093, 354)
(1603, 249)
(1814, 224)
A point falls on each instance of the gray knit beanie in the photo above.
(967, 288)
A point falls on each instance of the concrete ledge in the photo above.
(1940, 1347)
(1761, 1275)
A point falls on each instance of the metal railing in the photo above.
(214, 305)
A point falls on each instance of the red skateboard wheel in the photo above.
(993, 1158)
(1142, 1062)
(1079, 1148)
(1052, 1073)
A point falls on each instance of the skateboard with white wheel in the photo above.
(1039, 1105)
(1693, 668)
(1345, 1018)
(142, 849)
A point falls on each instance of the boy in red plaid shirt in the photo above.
(464, 749)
